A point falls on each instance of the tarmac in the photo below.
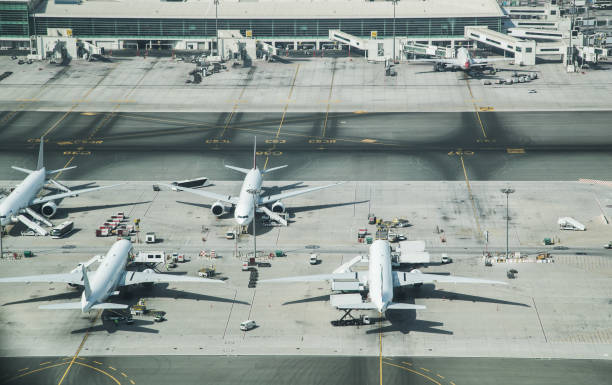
(440, 163)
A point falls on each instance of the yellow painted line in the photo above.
(360, 112)
(36, 370)
(22, 369)
(112, 368)
(487, 109)
(122, 101)
(80, 100)
(427, 370)
(88, 113)
(101, 371)
(414, 371)
(297, 69)
(451, 383)
(26, 100)
(97, 362)
(331, 88)
(407, 363)
(64, 143)
(442, 377)
(515, 150)
(467, 182)
(368, 141)
(73, 359)
(124, 375)
(59, 121)
(132, 382)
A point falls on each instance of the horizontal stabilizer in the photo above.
(239, 169)
(22, 169)
(404, 306)
(61, 306)
(273, 169)
(108, 305)
(60, 170)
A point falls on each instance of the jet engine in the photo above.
(278, 207)
(218, 208)
(49, 209)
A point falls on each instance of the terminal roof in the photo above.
(272, 9)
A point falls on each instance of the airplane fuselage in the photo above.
(22, 196)
(380, 275)
(106, 279)
(243, 213)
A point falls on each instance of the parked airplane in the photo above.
(18, 203)
(103, 283)
(380, 280)
(463, 61)
(250, 197)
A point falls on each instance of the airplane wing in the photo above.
(73, 278)
(134, 277)
(71, 193)
(438, 60)
(483, 61)
(208, 194)
(302, 278)
(289, 194)
(402, 278)
(391, 306)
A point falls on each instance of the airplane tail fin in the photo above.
(60, 170)
(239, 169)
(273, 169)
(41, 154)
(27, 171)
(87, 291)
(61, 306)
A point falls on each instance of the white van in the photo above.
(247, 325)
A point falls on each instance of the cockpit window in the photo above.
(243, 216)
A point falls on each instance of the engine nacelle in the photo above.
(49, 209)
(218, 208)
(278, 207)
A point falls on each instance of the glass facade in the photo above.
(271, 28)
(14, 19)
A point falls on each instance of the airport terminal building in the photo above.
(193, 24)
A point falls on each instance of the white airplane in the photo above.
(14, 207)
(463, 61)
(250, 195)
(380, 279)
(105, 281)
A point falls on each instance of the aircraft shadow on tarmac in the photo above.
(321, 298)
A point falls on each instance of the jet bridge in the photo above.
(524, 51)
(377, 50)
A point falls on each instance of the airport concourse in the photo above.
(306, 192)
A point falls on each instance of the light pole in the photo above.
(217, 26)
(394, 3)
(507, 191)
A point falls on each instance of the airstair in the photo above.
(32, 225)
